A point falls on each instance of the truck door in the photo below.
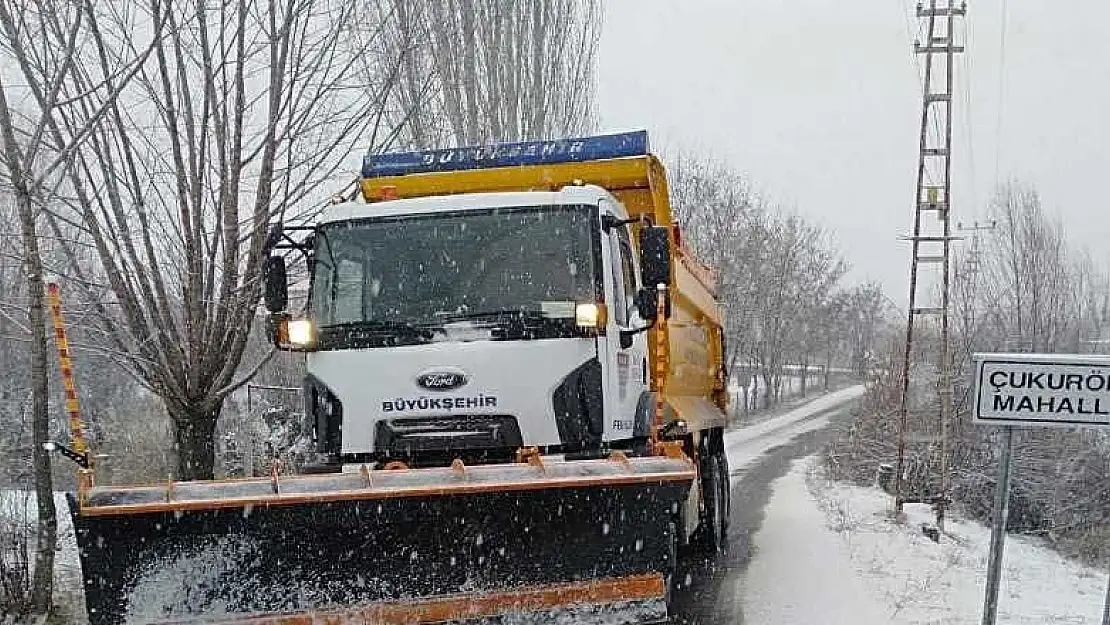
(626, 370)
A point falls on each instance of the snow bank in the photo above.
(842, 555)
(945, 583)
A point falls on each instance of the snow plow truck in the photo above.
(517, 393)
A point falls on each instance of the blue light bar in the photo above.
(507, 155)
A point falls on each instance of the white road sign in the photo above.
(1042, 389)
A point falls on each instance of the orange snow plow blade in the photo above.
(389, 546)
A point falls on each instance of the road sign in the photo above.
(1042, 389)
(1033, 390)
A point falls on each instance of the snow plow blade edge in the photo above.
(641, 598)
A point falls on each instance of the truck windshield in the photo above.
(420, 271)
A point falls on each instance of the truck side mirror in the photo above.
(655, 257)
(647, 304)
(276, 287)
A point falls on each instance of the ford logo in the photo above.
(441, 380)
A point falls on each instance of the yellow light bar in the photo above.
(614, 174)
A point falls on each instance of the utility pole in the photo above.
(974, 257)
(931, 240)
(966, 277)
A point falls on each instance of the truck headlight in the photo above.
(590, 315)
(301, 333)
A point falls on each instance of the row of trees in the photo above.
(781, 281)
(1028, 289)
(475, 71)
(1018, 286)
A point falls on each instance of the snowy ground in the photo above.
(830, 553)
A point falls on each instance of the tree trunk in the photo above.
(767, 385)
(194, 430)
(828, 365)
(42, 590)
(805, 376)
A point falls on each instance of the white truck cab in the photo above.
(473, 325)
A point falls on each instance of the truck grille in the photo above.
(430, 440)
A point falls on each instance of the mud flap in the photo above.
(226, 550)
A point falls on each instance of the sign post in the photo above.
(1106, 608)
(1014, 390)
(998, 527)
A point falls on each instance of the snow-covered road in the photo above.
(747, 445)
(800, 573)
(712, 589)
(805, 550)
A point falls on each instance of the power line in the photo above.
(1001, 88)
(965, 91)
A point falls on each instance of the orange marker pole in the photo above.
(661, 357)
(73, 408)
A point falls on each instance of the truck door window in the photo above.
(322, 299)
(620, 312)
(629, 271)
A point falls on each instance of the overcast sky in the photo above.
(818, 101)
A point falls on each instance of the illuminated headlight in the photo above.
(590, 315)
(301, 333)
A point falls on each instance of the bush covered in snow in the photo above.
(1060, 487)
(252, 441)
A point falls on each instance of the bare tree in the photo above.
(14, 159)
(865, 312)
(799, 270)
(42, 40)
(495, 70)
(778, 274)
(717, 211)
(1027, 273)
(245, 111)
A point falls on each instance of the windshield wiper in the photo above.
(381, 326)
(515, 324)
(511, 313)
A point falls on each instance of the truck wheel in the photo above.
(726, 492)
(713, 515)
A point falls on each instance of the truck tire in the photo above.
(726, 491)
(714, 520)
